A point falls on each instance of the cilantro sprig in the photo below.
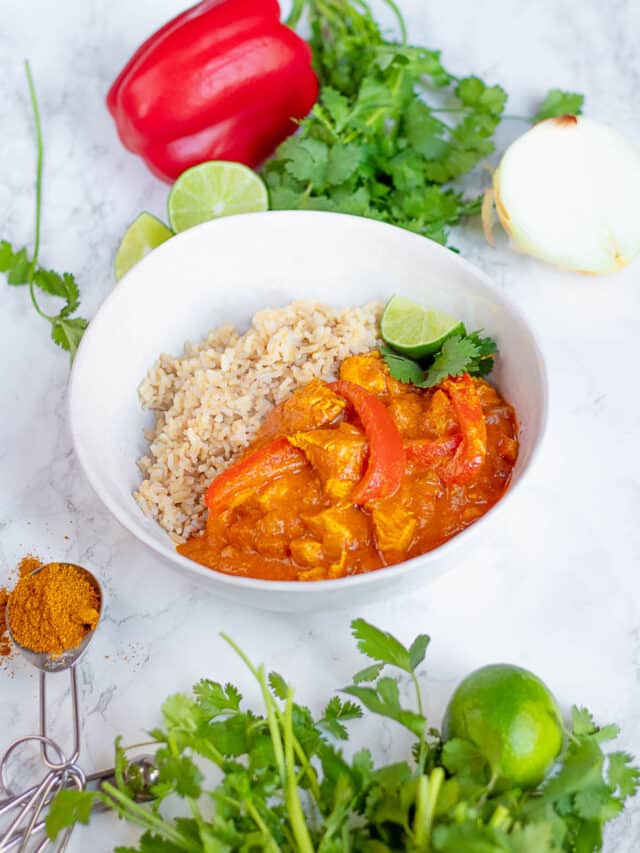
(392, 129)
(286, 786)
(559, 103)
(460, 353)
(22, 269)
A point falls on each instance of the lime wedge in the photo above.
(214, 189)
(143, 235)
(416, 331)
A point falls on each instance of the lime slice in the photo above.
(214, 189)
(414, 330)
(143, 235)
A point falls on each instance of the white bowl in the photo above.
(227, 270)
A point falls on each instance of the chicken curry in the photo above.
(349, 476)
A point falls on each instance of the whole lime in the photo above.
(512, 718)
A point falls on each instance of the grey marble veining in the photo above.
(554, 587)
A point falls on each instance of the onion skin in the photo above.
(568, 192)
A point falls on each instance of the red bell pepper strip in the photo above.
(224, 80)
(251, 472)
(432, 452)
(471, 452)
(386, 463)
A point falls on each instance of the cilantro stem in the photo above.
(272, 845)
(297, 8)
(308, 769)
(39, 164)
(426, 799)
(294, 807)
(146, 819)
(423, 742)
(274, 730)
(401, 24)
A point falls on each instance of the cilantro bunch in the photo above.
(287, 785)
(22, 269)
(460, 353)
(374, 145)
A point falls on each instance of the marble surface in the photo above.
(554, 587)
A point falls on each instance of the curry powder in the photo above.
(54, 609)
(5, 646)
(27, 564)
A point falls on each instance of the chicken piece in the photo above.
(338, 455)
(307, 552)
(394, 526)
(275, 530)
(441, 417)
(369, 371)
(339, 529)
(407, 411)
(295, 489)
(315, 405)
(487, 394)
(508, 448)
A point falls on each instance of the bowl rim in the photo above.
(307, 588)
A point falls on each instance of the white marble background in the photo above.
(555, 587)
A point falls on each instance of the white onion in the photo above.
(568, 192)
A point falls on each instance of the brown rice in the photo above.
(210, 402)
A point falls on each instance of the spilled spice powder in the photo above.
(5, 645)
(27, 565)
(53, 610)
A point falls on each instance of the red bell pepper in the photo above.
(251, 472)
(432, 452)
(386, 462)
(471, 452)
(224, 80)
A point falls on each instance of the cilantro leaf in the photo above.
(581, 770)
(384, 699)
(622, 777)
(534, 838)
(306, 160)
(336, 712)
(15, 264)
(482, 364)
(179, 772)
(418, 650)
(369, 673)
(582, 722)
(215, 699)
(278, 685)
(63, 286)
(464, 759)
(454, 358)
(7, 256)
(474, 93)
(559, 103)
(337, 106)
(380, 645)
(343, 160)
(68, 808)
(401, 367)
(67, 332)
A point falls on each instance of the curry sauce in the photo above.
(351, 476)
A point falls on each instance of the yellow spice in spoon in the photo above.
(53, 609)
